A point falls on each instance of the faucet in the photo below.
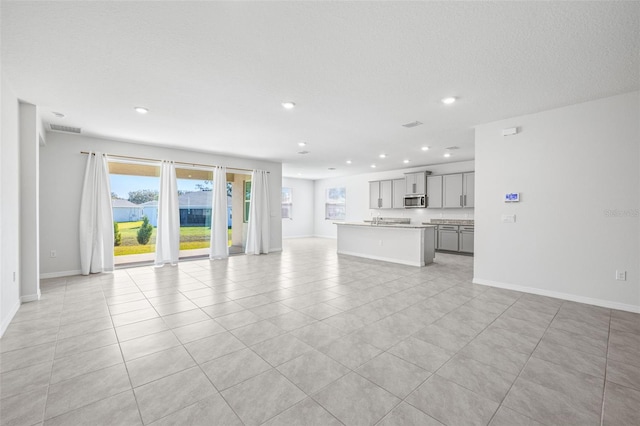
(377, 219)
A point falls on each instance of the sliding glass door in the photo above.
(134, 199)
(135, 191)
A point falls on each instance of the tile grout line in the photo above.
(606, 365)
(457, 352)
(525, 366)
(135, 397)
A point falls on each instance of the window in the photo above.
(194, 201)
(134, 197)
(335, 208)
(247, 200)
(286, 203)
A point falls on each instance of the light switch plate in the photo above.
(508, 218)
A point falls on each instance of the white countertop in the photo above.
(385, 225)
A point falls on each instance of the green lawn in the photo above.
(195, 237)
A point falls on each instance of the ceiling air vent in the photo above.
(452, 147)
(65, 129)
(412, 124)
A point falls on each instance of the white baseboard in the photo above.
(332, 237)
(298, 236)
(60, 274)
(30, 297)
(6, 321)
(558, 295)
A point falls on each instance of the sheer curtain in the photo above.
(219, 227)
(168, 237)
(96, 217)
(259, 233)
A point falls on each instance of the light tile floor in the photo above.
(306, 337)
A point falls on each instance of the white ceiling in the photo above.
(213, 74)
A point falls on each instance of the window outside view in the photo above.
(134, 194)
(335, 204)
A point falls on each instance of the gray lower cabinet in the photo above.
(466, 239)
(457, 238)
(448, 237)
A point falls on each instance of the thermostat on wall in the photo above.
(511, 197)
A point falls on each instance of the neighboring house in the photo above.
(126, 211)
(150, 210)
(195, 209)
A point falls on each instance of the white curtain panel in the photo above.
(259, 232)
(168, 231)
(96, 217)
(219, 230)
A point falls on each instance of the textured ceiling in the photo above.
(213, 74)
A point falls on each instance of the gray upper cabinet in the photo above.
(380, 194)
(434, 192)
(398, 194)
(374, 195)
(468, 191)
(415, 183)
(458, 190)
(452, 191)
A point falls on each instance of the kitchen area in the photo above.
(438, 208)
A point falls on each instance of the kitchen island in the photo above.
(406, 244)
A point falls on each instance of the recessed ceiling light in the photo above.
(141, 110)
(447, 154)
(302, 144)
(373, 166)
(348, 161)
(405, 161)
(58, 114)
(299, 174)
(425, 148)
(288, 105)
(449, 100)
(383, 155)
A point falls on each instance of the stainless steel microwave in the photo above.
(415, 201)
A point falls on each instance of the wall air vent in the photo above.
(65, 129)
(412, 124)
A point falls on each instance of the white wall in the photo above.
(573, 166)
(61, 173)
(29, 201)
(9, 208)
(358, 198)
(301, 225)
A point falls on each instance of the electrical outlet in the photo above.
(621, 275)
(52, 253)
(14, 277)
